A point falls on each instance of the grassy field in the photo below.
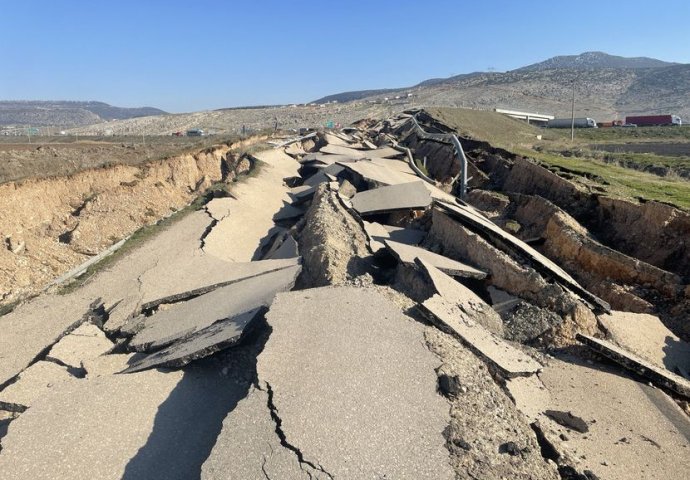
(594, 167)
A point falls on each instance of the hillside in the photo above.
(66, 114)
(606, 87)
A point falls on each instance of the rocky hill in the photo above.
(66, 114)
(606, 87)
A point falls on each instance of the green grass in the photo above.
(589, 165)
(618, 181)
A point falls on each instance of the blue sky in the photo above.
(203, 54)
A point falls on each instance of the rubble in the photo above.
(235, 357)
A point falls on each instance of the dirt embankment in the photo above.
(49, 226)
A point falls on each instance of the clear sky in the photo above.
(204, 54)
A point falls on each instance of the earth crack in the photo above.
(283, 439)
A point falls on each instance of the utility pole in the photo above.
(572, 116)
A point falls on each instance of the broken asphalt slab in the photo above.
(408, 253)
(377, 175)
(405, 196)
(84, 343)
(196, 275)
(367, 375)
(649, 338)
(508, 359)
(35, 381)
(456, 293)
(658, 375)
(141, 426)
(207, 341)
(183, 319)
(474, 220)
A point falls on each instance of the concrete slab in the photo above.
(457, 294)
(509, 360)
(192, 276)
(248, 446)
(334, 140)
(658, 375)
(634, 430)
(302, 194)
(647, 337)
(122, 312)
(84, 343)
(324, 175)
(288, 212)
(408, 253)
(383, 152)
(471, 218)
(35, 381)
(367, 376)
(108, 364)
(346, 151)
(398, 165)
(141, 426)
(184, 319)
(36, 325)
(376, 174)
(202, 343)
(325, 159)
(288, 248)
(404, 196)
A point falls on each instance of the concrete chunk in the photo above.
(367, 375)
(288, 248)
(288, 212)
(456, 293)
(656, 374)
(407, 254)
(511, 361)
(405, 196)
(33, 382)
(346, 151)
(84, 343)
(182, 320)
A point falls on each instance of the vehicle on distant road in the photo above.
(196, 132)
(583, 122)
(654, 120)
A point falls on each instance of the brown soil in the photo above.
(51, 225)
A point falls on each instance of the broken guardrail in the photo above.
(457, 150)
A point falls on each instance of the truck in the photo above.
(653, 120)
(582, 122)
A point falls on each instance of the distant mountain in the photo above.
(595, 60)
(66, 113)
(606, 87)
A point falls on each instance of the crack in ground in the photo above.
(283, 439)
(208, 229)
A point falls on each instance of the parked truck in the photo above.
(653, 120)
(583, 122)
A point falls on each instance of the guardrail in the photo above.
(457, 150)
